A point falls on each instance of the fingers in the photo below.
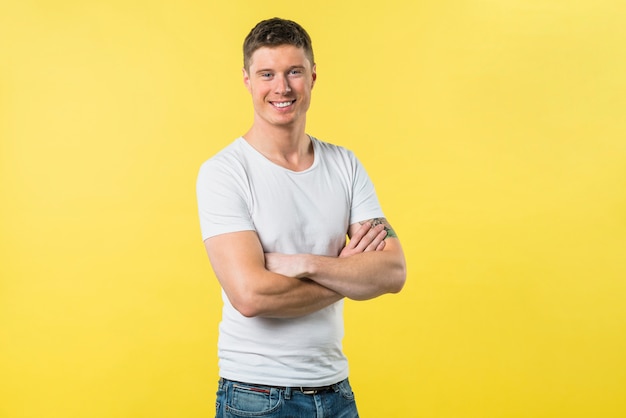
(366, 238)
(358, 235)
(378, 238)
(372, 238)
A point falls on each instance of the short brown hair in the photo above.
(276, 32)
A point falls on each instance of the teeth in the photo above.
(282, 104)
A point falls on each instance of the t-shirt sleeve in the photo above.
(222, 200)
(365, 203)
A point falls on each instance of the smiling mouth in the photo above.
(282, 105)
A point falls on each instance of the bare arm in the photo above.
(358, 275)
(238, 262)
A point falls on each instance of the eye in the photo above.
(295, 71)
(265, 75)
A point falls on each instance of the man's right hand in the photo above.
(366, 238)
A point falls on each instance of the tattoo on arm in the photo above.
(377, 221)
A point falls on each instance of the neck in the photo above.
(287, 146)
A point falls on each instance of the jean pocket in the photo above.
(253, 401)
(346, 390)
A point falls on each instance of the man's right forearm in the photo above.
(239, 264)
(277, 296)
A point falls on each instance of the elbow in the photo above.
(393, 282)
(246, 304)
(398, 285)
(247, 311)
(398, 279)
(396, 273)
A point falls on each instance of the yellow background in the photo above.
(493, 130)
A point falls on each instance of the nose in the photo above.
(282, 85)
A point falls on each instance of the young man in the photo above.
(275, 207)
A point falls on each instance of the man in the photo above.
(275, 207)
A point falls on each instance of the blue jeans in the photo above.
(236, 399)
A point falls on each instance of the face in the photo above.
(280, 80)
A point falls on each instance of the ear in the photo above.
(246, 79)
(313, 75)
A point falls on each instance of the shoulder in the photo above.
(333, 151)
(329, 147)
(227, 161)
(224, 173)
(231, 152)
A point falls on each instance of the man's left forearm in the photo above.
(359, 277)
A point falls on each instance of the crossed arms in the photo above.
(291, 285)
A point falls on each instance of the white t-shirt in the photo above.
(292, 212)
